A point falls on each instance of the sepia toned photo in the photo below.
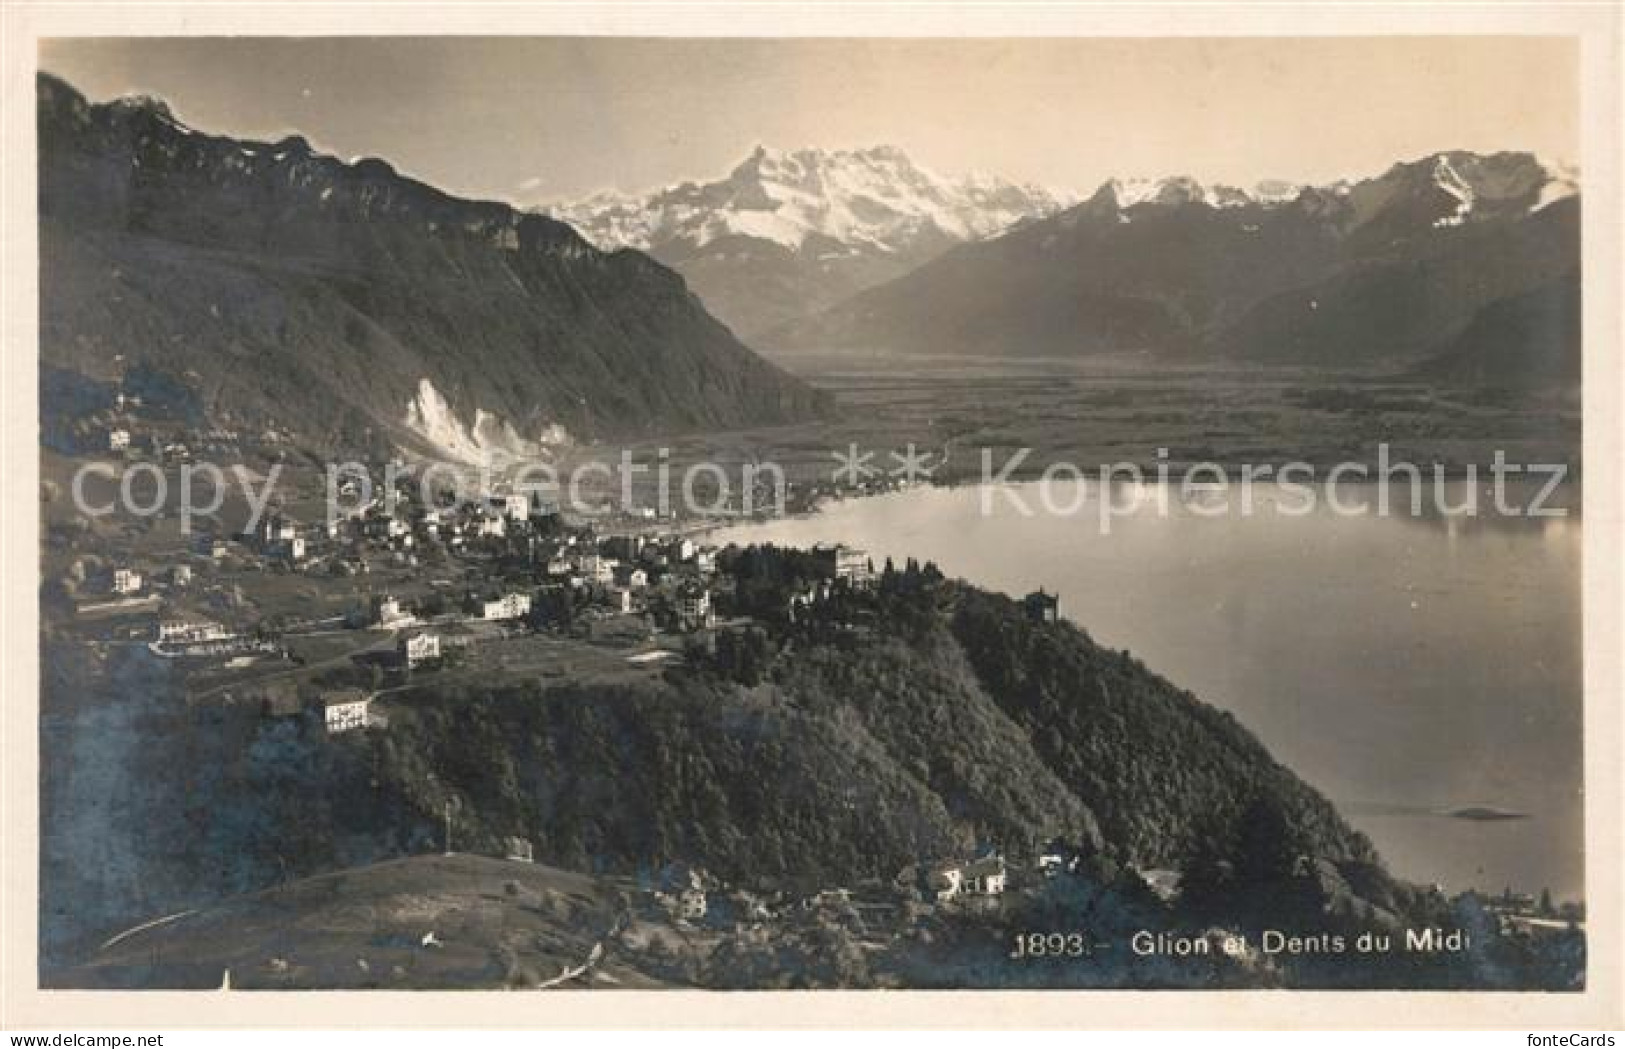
(611, 513)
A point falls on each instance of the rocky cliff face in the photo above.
(287, 287)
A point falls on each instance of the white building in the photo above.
(694, 604)
(946, 881)
(986, 876)
(276, 530)
(508, 606)
(387, 611)
(691, 904)
(191, 631)
(983, 877)
(126, 581)
(118, 440)
(416, 649)
(345, 709)
(843, 562)
(596, 567)
(388, 528)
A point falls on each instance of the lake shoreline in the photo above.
(1440, 715)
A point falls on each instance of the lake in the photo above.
(1406, 666)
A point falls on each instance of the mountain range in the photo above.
(1407, 270)
(788, 233)
(244, 277)
(274, 285)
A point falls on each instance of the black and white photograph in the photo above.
(703, 513)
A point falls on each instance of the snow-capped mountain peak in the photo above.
(1457, 187)
(1176, 191)
(873, 200)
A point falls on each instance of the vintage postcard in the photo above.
(623, 507)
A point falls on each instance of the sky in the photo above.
(538, 119)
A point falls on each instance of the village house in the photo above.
(691, 905)
(803, 600)
(518, 849)
(345, 709)
(387, 528)
(619, 599)
(1041, 607)
(631, 577)
(126, 581)
(508, 606)
(274, 531)
(175, 451)
(1052, 861)
(596, 567)
(681, 889)
(843, 562)
(180, 575)
(190, 631)
(415, 649)
(705, 560)
(387, 611)
(944, 881)
(428, 522)
(118, 440)
(681, 548)
(693, 606)
(986, 876)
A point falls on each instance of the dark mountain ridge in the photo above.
(348, 302)
(1379, 275)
